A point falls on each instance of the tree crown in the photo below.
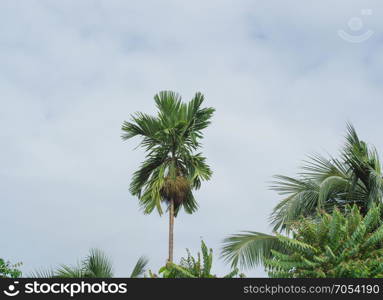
(172, 168)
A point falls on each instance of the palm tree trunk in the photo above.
(171, 230)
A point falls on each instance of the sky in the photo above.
(283, 76)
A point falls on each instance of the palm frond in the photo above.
(318, 168)
(153, 162)
(43, 273)
(65, 271)
(140, 267)
(250, 248)
(97, 265)
(302, 200)
(142, 125)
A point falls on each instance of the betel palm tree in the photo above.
(324, 184)
(172, 168)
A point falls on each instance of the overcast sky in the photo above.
(281, 77)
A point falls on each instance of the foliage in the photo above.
(172, 168)
(325, 184)
(355, 178)
(96, 265)
(140, 267)
(336, 245)
(191, 267)
(8, 270)
(249, 248)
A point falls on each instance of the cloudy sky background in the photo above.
(281, 79)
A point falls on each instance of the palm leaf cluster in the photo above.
(249, 248)
(96, 265)
(191, 267)
(337, 245)
(140, 267)
(355, 178)
(326, 183)
(172, 168)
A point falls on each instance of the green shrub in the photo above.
(337, 245)
(8, 270)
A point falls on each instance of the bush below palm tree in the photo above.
(9, 270)
(191, 267)
(343, 244)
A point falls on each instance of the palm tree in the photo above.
(95, 265)
(172, 169)
(324, 184)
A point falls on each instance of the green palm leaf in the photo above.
(97, 265)
(140, 267)
(248, 249)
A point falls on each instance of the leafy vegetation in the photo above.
(172, 168)
(324, 184)
(8, 270)
(96, 265)
(337, 245)
(191, 267)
